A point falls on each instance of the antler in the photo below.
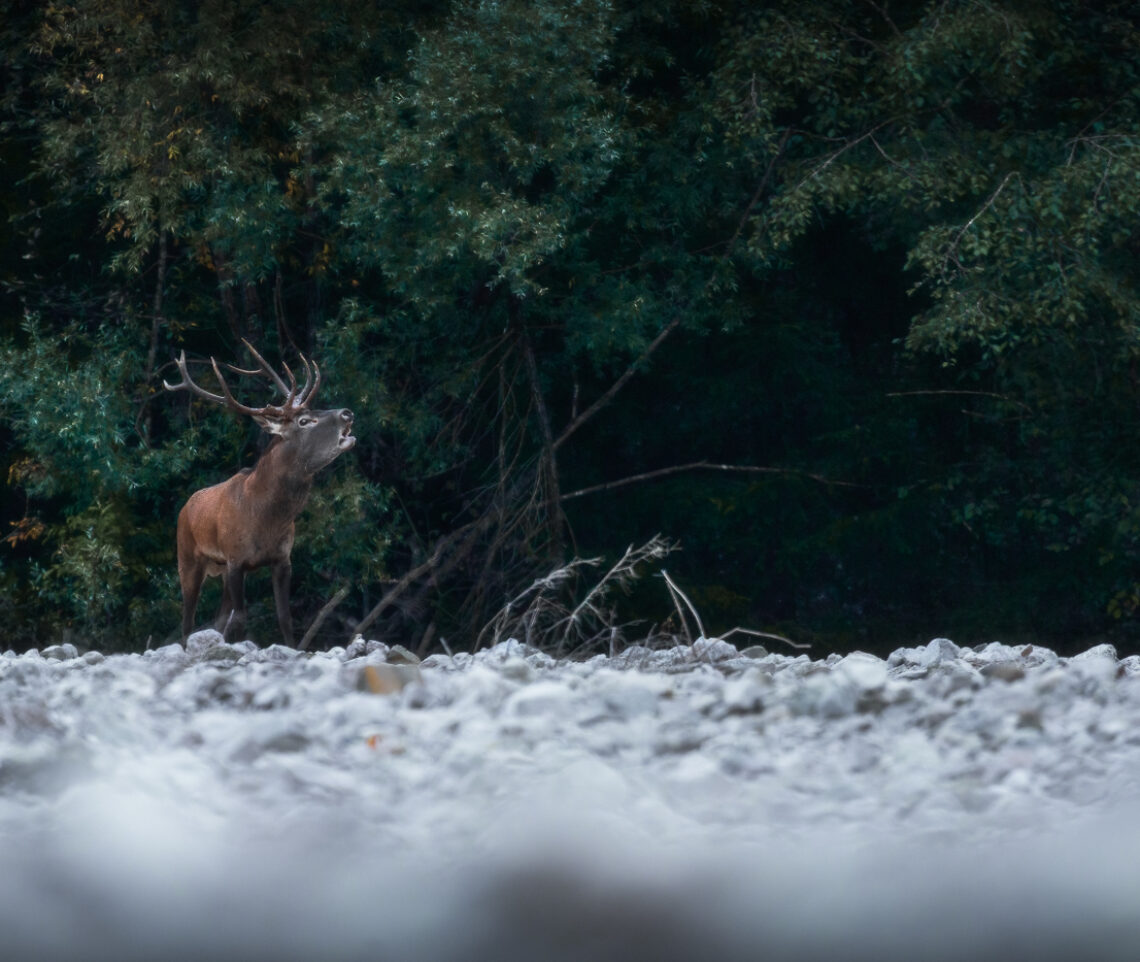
(294, 401)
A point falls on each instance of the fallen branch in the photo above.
(325, 611)
(677, 593)
(678, 596)
(766, 634)
(547, 615)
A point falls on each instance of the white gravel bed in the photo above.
(224, 801)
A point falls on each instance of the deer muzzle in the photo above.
(346, 437)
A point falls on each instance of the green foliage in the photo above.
(883, 253)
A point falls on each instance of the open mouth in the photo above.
(346, 438)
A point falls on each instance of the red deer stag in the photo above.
(247, 521)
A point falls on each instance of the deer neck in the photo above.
(278, 484)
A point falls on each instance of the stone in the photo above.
(202, 640)
(223, 654)
(399, 655)
(387, 679)
(1003, 671)
(864, 671)
(713, 649)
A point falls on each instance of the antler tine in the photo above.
(294, 400)
(274, 376)
(225, 398)
(312, 382)
(187, 383)
(231, 401)
(291, 397)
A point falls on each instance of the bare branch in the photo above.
(616, 386)
(882, 12)
(765, 634)
(678, 593)
(759, 191)
(964, 393)
(704, 466)
(986, 206)
(549, 461)
(319, 620)
(547, 614)
(839, 152)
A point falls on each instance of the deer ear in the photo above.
(270, 425)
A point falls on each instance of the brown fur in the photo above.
(247, 522)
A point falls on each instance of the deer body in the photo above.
(247, 522)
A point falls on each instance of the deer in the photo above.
(248, 522)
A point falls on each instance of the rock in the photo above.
(1096, 666)
(223, 653)
(1097, 652)
(626, 694)
(745, 693)
(1129, 666)
(289, 741)
(541, 698)
(284, 742)
(438, 660)
(275, 653)
(1002, 671)
(995, 651)
(204, 639)
(936, 652)
(64, 652)
(713, 649)
(386, 679)
(92, 657)
(864, 671)
(941, 650)
(517, 669)
(271, 698)
(399, 655)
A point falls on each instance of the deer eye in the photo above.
(306, 421)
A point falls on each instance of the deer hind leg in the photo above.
(231, 617)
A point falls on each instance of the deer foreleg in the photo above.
(231, 619)
(282, 574)
(190, 577)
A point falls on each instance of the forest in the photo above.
(837, 298)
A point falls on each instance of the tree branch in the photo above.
(615, 387)
(325, 611)
(963, 393)
(549, 461)
(704, 466)
(759, 192)
(156, 315)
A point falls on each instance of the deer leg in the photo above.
(227, 606)
(231, 619)
(191, 577)
(282, 573)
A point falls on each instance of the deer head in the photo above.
(247, 522)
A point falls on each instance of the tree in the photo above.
(838, 294)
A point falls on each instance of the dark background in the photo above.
(869, 266)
